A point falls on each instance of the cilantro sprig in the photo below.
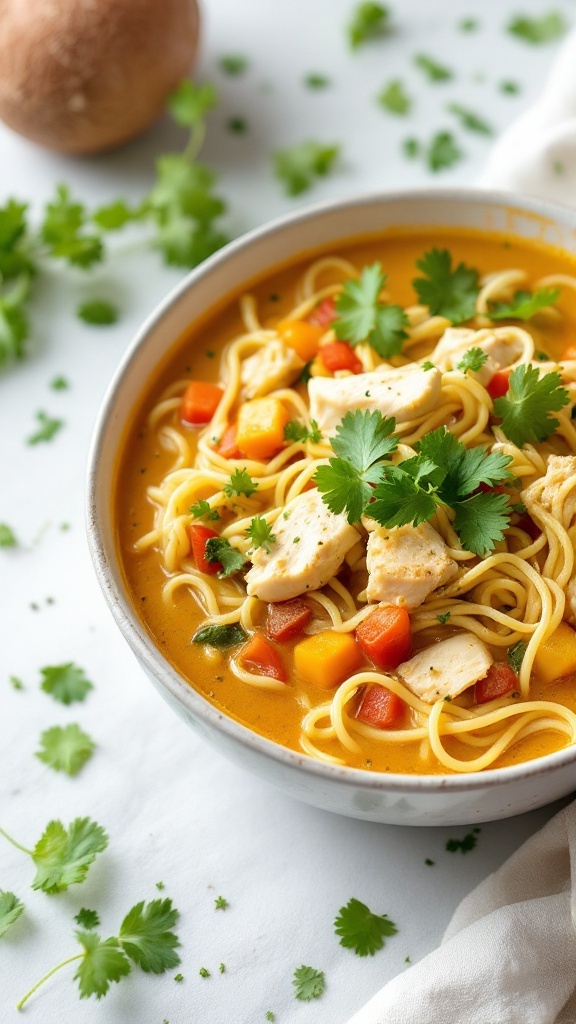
(361, 930)
(299, 166)
(218, 549)
(472, 360)
(362, 441)
(361, 316)
(524, 305)
(526, 409)
(240, 483)
(10, 910)
(203, 510)
(63, 855)
(260, 534)
(447, 292)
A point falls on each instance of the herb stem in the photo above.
(14, 843)
(195, 142)
(77, 956)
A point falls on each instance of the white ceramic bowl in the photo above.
(394, 799)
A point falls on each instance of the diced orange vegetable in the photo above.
(260, 656)
(228, 445)
(568, 353)
(326, 659)
(556, 657)
(386, 636)
(199, 402)
(302, 336)
(338, 355)
(498, 681)
(261, 425)
(323, 314)
(287, 619)
(499, 384)
(198, 535)
(380, 707)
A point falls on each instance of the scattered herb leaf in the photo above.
(515, 655)
(308, 983)
(218, 549)
(538, 30)
(203, 510)
(7, 536)
(260, 534)
(472, 360)
(220, 636)
(98, 312)
(395, 99)
(87, 918)
(296, 431)
(369, 21)
(435, 72)
(524, 305)
(65, 748)
(47, 429)
(298, 166)
(442, 152)
(10, 910)
(240, 483)
(233, 64)
(361, 930)
(66, 683)
(469, 120)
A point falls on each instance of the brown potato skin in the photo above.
(82, 76)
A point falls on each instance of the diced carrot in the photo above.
(385, 636)
(568, 353)
(228, 445)
(323, 314)
(527, 524)
(199, 402)
(287, 619)
(556, 657)
(326, 659)
(338, 355)
(198, 535)
(261, 425)
(380, 707)
(498, 385)
(260, 656)
(498, 681)
(302, 336)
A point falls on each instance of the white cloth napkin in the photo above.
(509, 953)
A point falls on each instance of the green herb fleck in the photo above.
(538, 30)
(87, 918)
(435, 72)
(463, 845)
(361, 930)
(203, 972)
(298, 166)
(59, 384)
(98, 312)
(469, 120)
(66, 683)
(47, 429)
(315, 81)
(220, 903)
(7, 536)
(233, 64)
(515, 655)
(369, 21)
(219, 636)
(395, 99)
(308, 983)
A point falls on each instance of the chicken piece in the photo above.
(447, 668)
(405, 563)
(560, 470)
(309, 548)
(271, 367)
(501, 348)
(405, 393)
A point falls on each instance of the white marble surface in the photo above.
(174, 809)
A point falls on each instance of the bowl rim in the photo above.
(106, 563)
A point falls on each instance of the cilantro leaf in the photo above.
(218, 549)
(59, 383)
(190, 102)
(240, 483)
(526, 407)
(446, 292)
(260, 534)
(99, 312)
(233, 64)
(362, 440)
(480, 521)
(146, 937)
(309, 983)
(66, 683)
(296, 431)
(524, 304)
(184, 208)
(468, 119)
(62, 856)
(223, 637)
(87, 918)
(7, 536)
(47, 429)
(298, 166)
(103, 962)
(361, 930)
(442, 152)
(538, 30)
(435, 72)
(10, 909)
(360, 316)
(460, 471)
(343, 489)
(515, 655)
(65, 748)
(395, 99)
(369, 21)
(114, 216)
(473, 360)
(203, 510)
(63, 231)
(463, 845)
(14, 326)
(400, 499)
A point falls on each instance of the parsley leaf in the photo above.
(218, 549)
(203, 510)
(65, 748)
(360, 316)
(369, 21)
(260, 534)
(524, 304)
(309, 983)
(240, 483)
(296, 431)
(361, 930)
(7, 536)
(446, 292)
(223, 637)
(62, 856)
(10, 909)
(298, 166)
(515, 655)
(538, 30)
(473, 360)
(442, 152)
(480, 521)
(66, 683)
(361, 441)
(103, 962)
(87, 918)
(435, 72)
(146, 936)
(47, 429)
(526, 407)
(395, 99)
(468, 119)
(98, 312)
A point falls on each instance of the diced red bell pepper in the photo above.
(499, 680)
(199, 402)
(380, 707)
(499, 384)
(323, 314)
(260, 656)
(227, 446)
(287, 619)
(338, 355)
(198, 535)
(386, 636)
(527, 524)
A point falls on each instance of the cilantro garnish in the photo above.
(515, 655)
(59, 383)
(361, 930)
(362, 440)
(98, 312)
(473, 360)
(443, 618)
(16, 683)
(203, 972)
(218, 549)
(427, 365)
(362, 317)
(47, 429)
(7, 536)
(65, 748)
(316, 81)
(296, 431)
(220, 903)
(62, 856)
(66, 683)
(524, 304)
(394, 98)
(468, 25)
(203, 510)
(260, 534)
(525, 409)
(308, 983)
(510, 88)
(233, 64)
(298, 166)
(240, 483)
(442, 152)
(87, 918)
(237, 125)
(220, 636)
(369, 21)
(13, 320)
(435, 72)
(446, 292)
(463, 845)
(64, 231)
(468, 119)
(270, 1016)
(538, 30)
(10, 909)
(411, 148)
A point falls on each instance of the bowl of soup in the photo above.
(332, 504)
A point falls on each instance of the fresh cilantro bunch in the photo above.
(447, 292)
(526, 408)
(362, 317)
(63, 855)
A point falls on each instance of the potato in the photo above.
(83, 76)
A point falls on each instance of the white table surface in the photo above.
(175, 810)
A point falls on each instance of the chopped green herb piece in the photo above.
(463, 845)
(411, 148)
(203, 510)
(315, 81)
(526, 408)
(87, 918)
(543, 357)
(7, 536)
(66, 683)
(429, 863)
(98, 312)
(442, 152)
(446, 292)
(59, 384)
(240, 483)
(369, 21)
(220, 903)
(189, 103)
(260, 534)
(443, 618)
(308, 983)
(515, 655)
(220, 636)
(63, 231)
(298, 166)
(538, 30)
(427, 365)
(518, 507)
(115, 216)
(102, 963)
(361, 316)
(468, 24)
(204, 972)
(222, 968)
(10, 910)
(510, 88)
(524, 305)
(218, 549)
(16, 683)
(306, 375)
(472, 360)
(296, 431)
(361, 930)
(362, 440)
(47, 429)
(395, 99)
(434, 71)
(65, 748)
(160, 886)
(558, 167)
(270, 1016)
(469, 120)
(237, 125)
(233, 64)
